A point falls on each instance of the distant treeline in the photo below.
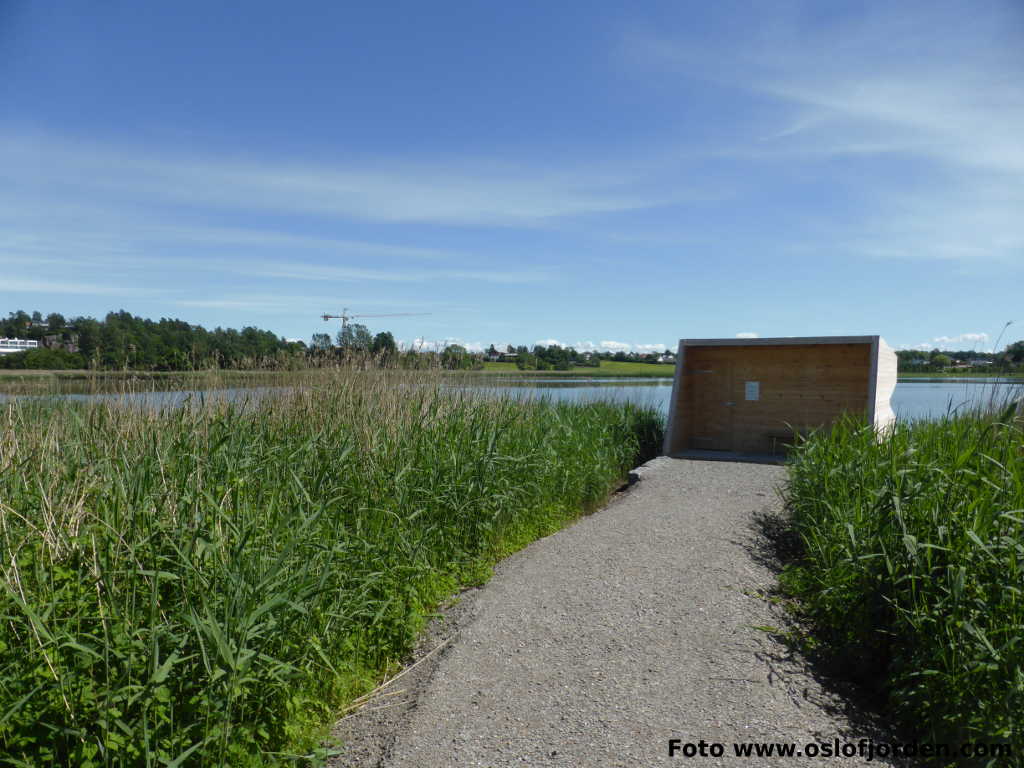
(557, 358)
(916, 361)
(122, 340)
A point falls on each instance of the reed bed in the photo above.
(913, 569)
(210, 584)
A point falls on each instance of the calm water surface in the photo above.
(913, 398)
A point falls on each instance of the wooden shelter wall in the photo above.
(805, 386)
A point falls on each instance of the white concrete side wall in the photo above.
(885, 385)
(674, 423)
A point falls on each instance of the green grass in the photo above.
(607, 368)
(913, 574)
(35, 382)
(43, 382)
(210, 585)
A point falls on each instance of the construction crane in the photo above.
(345, 316)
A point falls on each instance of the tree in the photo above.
(88, 336)
(526, 362)
(123, 340)
(355, 337)
(384, 344)
(454, 357)
(941, 361)
(1014, 353)
(321, 341)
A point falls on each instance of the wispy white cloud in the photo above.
(973, 219)
(747, 335)
(447, 190)
(316, 272)
(132, 249)
(947, 113)
(291, 303)
(616, 346)
(424, 344)
(980, 341)
(934, 79)
(968, 338)
(44, 286)
(259, 303)
(48, 228)
(930, 87)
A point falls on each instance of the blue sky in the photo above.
(601, 174)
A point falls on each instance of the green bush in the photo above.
(209, 584)
(43, 359)
(914, 567)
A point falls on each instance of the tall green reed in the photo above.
(914, 567)
(208, 584)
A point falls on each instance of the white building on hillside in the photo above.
(8, 346)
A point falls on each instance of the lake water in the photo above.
(912, 399)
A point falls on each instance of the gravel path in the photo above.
(596, 646)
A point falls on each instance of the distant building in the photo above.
(10, 346)
(57, 341)
(501, 357)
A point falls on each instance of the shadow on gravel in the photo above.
(862, 702)
(859, 699)
(776, 543)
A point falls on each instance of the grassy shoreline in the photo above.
(87, 375)
(18, 382)
(218, 582)
(955, 375)
(606, 368)
(912, 576)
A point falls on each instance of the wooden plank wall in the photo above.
(804, 385)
